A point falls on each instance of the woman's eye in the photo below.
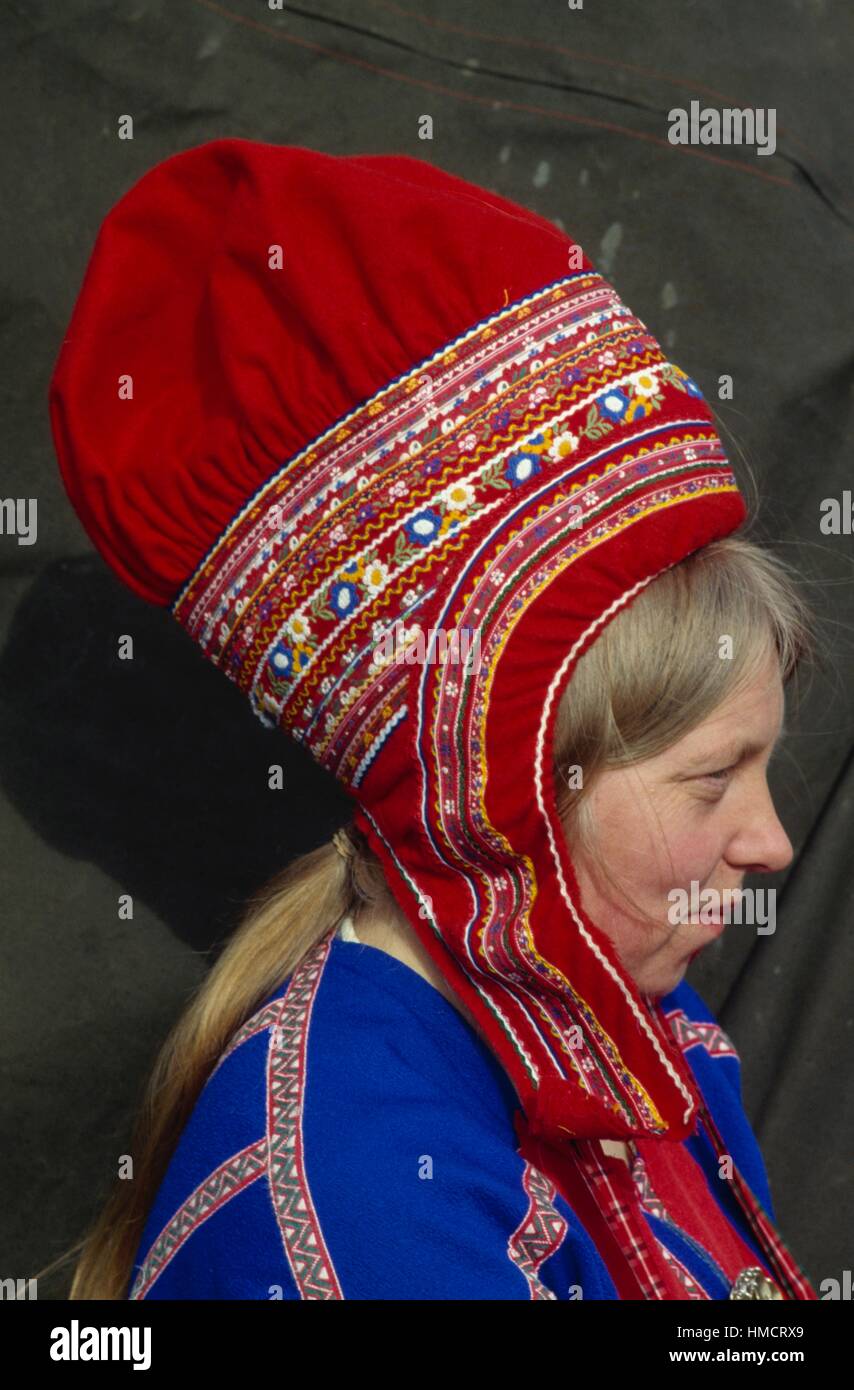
(720, 776)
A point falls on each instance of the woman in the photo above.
(451, 1054)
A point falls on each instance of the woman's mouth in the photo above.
(713, 926)
(719, 917)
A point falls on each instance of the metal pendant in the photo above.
(753, 1282)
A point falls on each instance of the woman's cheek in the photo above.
(694, 857)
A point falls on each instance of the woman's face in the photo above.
(701, 811)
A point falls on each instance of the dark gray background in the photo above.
(149, 777)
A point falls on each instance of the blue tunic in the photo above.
(357, 1141)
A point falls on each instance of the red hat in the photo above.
(305, 398)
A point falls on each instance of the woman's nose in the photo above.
(762, 843)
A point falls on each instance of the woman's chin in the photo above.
(661, 982)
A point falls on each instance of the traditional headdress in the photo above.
(393, 453)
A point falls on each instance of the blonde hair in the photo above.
(646, 680)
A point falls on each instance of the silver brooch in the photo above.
(754, 1283)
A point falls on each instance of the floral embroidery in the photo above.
(506, 410)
